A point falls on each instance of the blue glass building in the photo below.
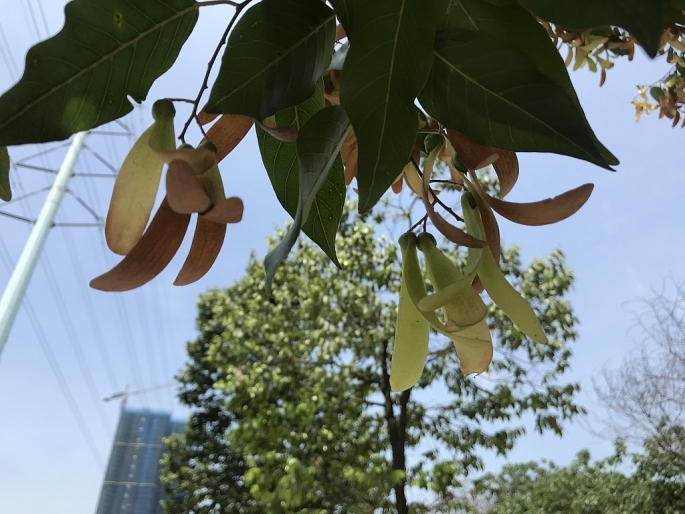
(131, 484)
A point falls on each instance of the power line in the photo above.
(52, 362)
(90, 310)
(161, 334)
(13, 70)
(33, 18)
(74, 340)
(147, 342)
(42, 15)
(124, 321)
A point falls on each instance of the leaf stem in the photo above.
(238, 9)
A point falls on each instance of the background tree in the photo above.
(203, 475)
(655, 485)
(647, 392)
(581, 487)
(307, 379)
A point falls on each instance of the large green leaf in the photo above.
(5, 190)
(642, 18)
(280, 161)
(344, 11)
(318, 148)
(387, 64)
(81, 78)
(495, 96)
(274, 57)
(513, 26)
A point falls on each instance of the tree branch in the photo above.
(238, 9)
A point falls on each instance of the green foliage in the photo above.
(201, 455)
(488, 69)
(317, 151)
(324, 217)
(662, 468)
(275, 56)
(5, 191)
(385, 69)
(583, 487)
(513, 26)
(307, 378)
(644, 19)
(278, 50)
(526, 111)
(81, 77)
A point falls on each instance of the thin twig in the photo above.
(448, 209)
(186, 100)
(433, 192)
(218, 2)
(193, 116)
(422, 220)
(444, 181)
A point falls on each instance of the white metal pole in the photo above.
(21, 276)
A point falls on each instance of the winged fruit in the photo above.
(473, 344)
(465, 306)
(498, 288)
(135, 188)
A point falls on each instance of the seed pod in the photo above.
(464, 306)
(501, 291)
(137, 183)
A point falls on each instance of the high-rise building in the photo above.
(131, 484)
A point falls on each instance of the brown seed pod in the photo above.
(207, 242)
(150, 255)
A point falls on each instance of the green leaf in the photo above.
(344, 11)
(642, 18)
(280, 161)
(513, 26)
(318, 146)
(5, 190)
(274, 57)
(81, 78)
(495, 96)
(386, 66)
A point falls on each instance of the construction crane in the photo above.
(124, 395)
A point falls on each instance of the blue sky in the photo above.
(622, 244)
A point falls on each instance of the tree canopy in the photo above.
(655, 484)
(305, 383)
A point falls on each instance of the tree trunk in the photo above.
(397, 431)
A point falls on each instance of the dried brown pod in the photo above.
(349, 152)
(490, 225)
(204, 117)
(227, 132)
(183, 191)
(207, 242)
(397, 185)
(150, 255)
(229, 210)
(507, 170)
(544, 212)
(474, 154)
(285, 134)
(339, 32)
(199, 159)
